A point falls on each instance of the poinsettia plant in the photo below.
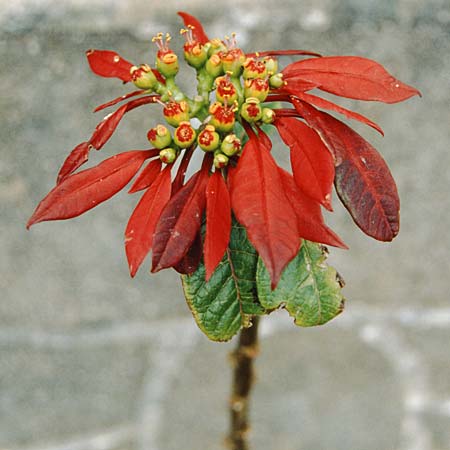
(247, 236)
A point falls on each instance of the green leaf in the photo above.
(309, 289)
(225, 303)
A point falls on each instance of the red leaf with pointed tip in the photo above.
(142, 223)
(85, 190)
(77, 157)
(362, 179)
(325, 104)
(218, 222)
(190, 261)
(311, 225)
(295, 86)
(260, 205)
(106, 63)
(104, 130)
(350, 76)
(312, 163)
(198, 32)
(147, 176)
(179, 223)
(118, 100)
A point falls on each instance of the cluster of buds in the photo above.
(239, 83)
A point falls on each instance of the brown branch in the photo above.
(243, 376)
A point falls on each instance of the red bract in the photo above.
(239, 173)
(260, 204)
(218, 222)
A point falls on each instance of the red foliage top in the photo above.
(238, 175)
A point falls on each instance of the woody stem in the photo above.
(243, 377)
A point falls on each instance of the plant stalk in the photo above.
(242, 359)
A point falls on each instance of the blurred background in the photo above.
(93, 360)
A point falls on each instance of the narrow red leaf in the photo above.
(179, 223)
(190, 261)
(350, 76)
(325, 104)
(295, 85)
(181, 173)
(260, 205)
(147, 176)
(142, 223)
(77, 157)
(312, 163)
(218, 222)
(104, 130)
(283, 53)
(362, 179)
(197, 31)
(106, 63)
(84, 190)
(311, 225)
(118, 100)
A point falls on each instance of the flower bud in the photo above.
(216, 46)
(195, 55)
(222, 117)
(220, 160)
(251, 110)
(159, 136)
(168, 155)
(176, 112)
(184, 135)
(230, 145)
(225, 90)
(143, 77)
(208, 139)
(268, 115)
(254, 69)
(232, 61)
(214, 66)
(276, 81)
(257, 88)
(167, 63)
(271, 65)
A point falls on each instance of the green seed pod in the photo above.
(208, 139)
(232, 61)
(271, 65)
(268, 115)
(184, 136)
(216, 46)
(220, 160)
(168, 155)
(167, 63)
(222, 117)
(276, 81)
(143, 77)
(251, 110)
(230, 145)
(257, 88)
(214, 66)
(176, 112)
(254, 69)
(159, 136)
(195, 55)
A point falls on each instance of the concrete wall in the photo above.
(92, 360)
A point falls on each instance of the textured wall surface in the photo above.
(92, 360)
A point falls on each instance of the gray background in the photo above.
(90, 359)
